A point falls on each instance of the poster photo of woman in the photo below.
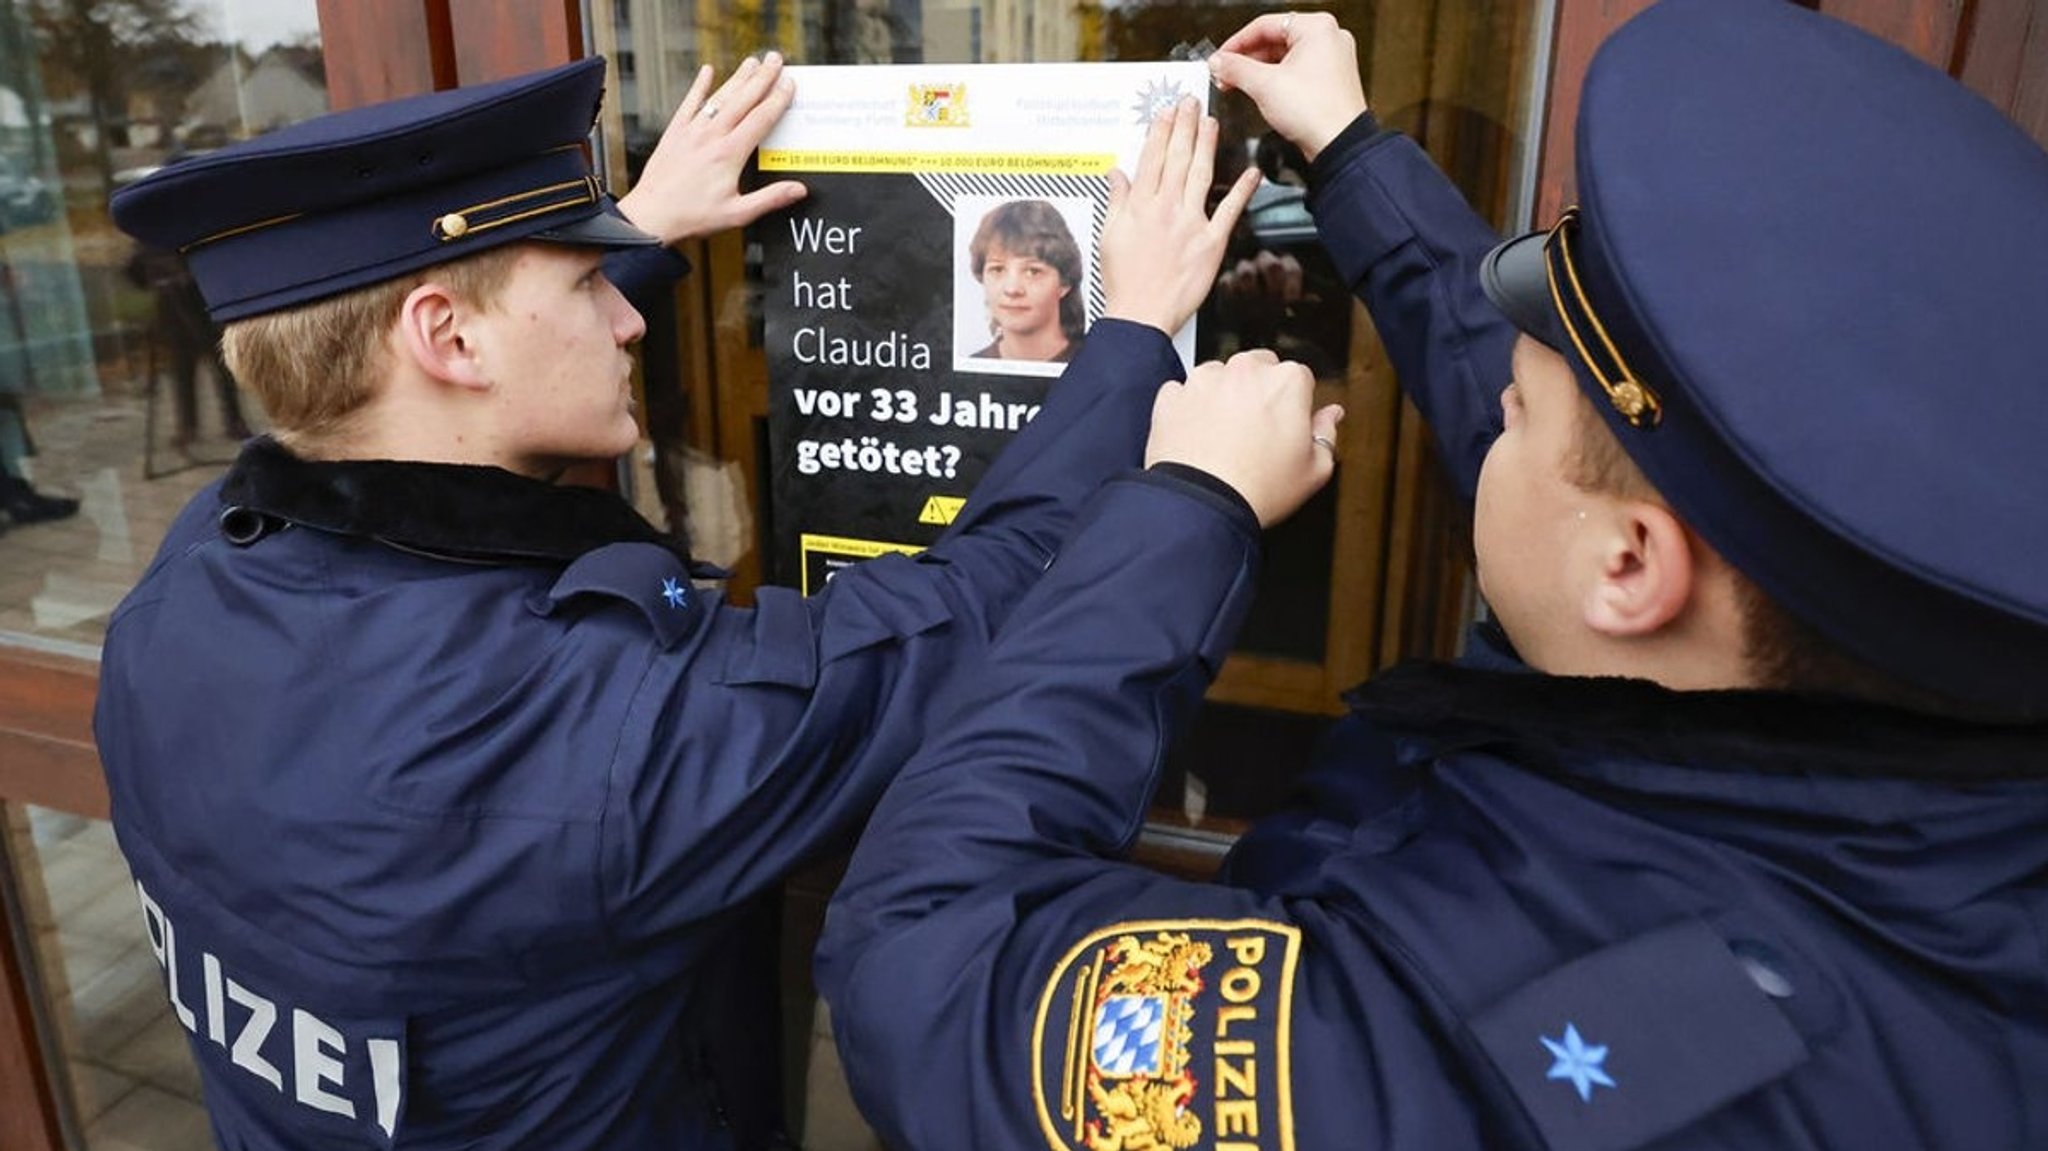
(1020, 286)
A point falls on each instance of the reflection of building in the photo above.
(658, 48)
(1018, 30)
(243, 97)
(18, 130)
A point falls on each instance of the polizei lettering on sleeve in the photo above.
(1169, 1033)
(351, 1068)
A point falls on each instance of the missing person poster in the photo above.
(921, 300)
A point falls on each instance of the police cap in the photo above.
(354, 198)
(1807, 288)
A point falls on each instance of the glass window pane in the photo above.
(114, 408)
(120, 1056)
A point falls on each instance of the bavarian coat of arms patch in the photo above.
(1168, 1034)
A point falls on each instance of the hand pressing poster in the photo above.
(942, 271)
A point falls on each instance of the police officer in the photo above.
(1731, 828)
(447, 793)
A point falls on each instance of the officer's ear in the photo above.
(433, 331)
(1647, 572)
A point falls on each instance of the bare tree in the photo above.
(98, 48)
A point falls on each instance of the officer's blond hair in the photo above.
(314, 366)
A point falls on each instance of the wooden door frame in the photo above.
(1999, 48)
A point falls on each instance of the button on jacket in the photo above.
(447, 793)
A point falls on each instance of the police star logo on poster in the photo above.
(1157, 98)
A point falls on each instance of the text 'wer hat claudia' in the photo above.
(1807, 287)
(354, 198)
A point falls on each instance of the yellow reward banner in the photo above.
(802, 160)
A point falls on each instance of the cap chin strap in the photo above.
(514, 208)
(1635, 400)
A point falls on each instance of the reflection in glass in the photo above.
(114, 407)
(118, 1053)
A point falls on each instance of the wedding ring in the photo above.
(710, 109)
(1325, 441)
(1286, 22)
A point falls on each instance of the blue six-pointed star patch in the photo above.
(674, 592)
(1578, 1062)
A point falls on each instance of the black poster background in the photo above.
(898, 278)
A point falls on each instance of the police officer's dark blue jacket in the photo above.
(446, 791)
(439, 784)
(1512, 910)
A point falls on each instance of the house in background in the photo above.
(245, 96)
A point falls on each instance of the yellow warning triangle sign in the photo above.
(940, 509)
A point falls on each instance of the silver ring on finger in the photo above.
(710, 109)
(1326, 442)
(1286, 25)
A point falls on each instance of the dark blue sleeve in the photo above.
(767, 736)
(1410, 246)
(980, 891)
(1093, 426)
(1054, 748)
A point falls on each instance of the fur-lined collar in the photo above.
(455, 511)
(1492, 700)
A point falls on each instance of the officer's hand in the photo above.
(1160, 245)
(690, 186)
(1301, 69)
(1249, 423)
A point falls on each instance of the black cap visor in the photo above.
(1516, 277)
(602, 229)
